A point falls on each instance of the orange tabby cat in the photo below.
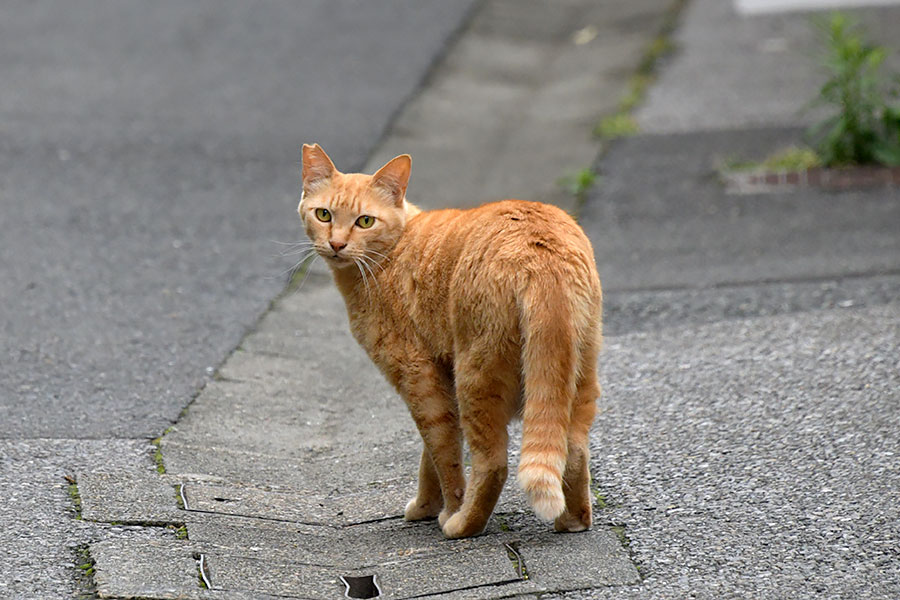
(475, 316)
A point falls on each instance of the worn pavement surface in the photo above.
(292, 467)
(148, 156)
(748, 441)
(746, 445)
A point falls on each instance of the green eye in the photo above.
(365, 221)
(323, 215)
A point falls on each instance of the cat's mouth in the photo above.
(336, 259)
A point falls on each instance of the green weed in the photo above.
(84, 573)
(579, 182)
(866, 128)
(617, 125)
(793, 158)
(75, 495)
(619, 530)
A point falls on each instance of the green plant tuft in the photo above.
(75, 495)
(502, 522)
(866, 128)
(579, 182)
(619, 530)
(793, 159)
(615, 126)
(158, 457)
(84, 573)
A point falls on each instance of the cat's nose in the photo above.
(337, 246)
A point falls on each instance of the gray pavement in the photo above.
(746, 443)
(756, 458)
(752, 405)
(150, 153)
(295, 462)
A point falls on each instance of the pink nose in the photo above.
(337, 246)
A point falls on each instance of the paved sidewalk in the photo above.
(293, 466)
(746, 445)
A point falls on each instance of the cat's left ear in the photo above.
(393, 178)
(317, 167)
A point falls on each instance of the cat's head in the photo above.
(351, 217)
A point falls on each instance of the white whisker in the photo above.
(280, 243)
(294, 251)
(372, 261)
(363, 273)
(377, 253)
(293, 248)
(293, 268)
(371, 272)
(305, 275)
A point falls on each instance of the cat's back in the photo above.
(498, 235)
(472, 270)
(498, 246)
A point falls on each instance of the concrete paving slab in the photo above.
(41, 535)
(476, 568)
(299, 507)
(158, 569)
(511, 108)
(228, 414)
(153, 570)
(389, 461)
(363, 545)
(146, 498)
(563, 562)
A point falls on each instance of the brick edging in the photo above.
(835, 179)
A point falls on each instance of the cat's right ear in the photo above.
(317, 168)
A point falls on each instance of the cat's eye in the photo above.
(365, 221)
(323, 215)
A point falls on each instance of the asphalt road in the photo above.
(150, 155)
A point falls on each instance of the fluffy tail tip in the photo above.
(544, 492)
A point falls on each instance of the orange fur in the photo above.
(475, 316)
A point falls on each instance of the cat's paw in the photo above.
(567, 522)
(460, 526)
(418, 511)
(446, 514)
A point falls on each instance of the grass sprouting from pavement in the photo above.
(621, 123)
(75, 495)
(579, 183)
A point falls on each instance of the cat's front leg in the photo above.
(429, 500)
(428, 393)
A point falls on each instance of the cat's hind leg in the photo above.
(428, 501)
(487, 392)
(576, 477)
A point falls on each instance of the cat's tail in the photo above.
(549, 361)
